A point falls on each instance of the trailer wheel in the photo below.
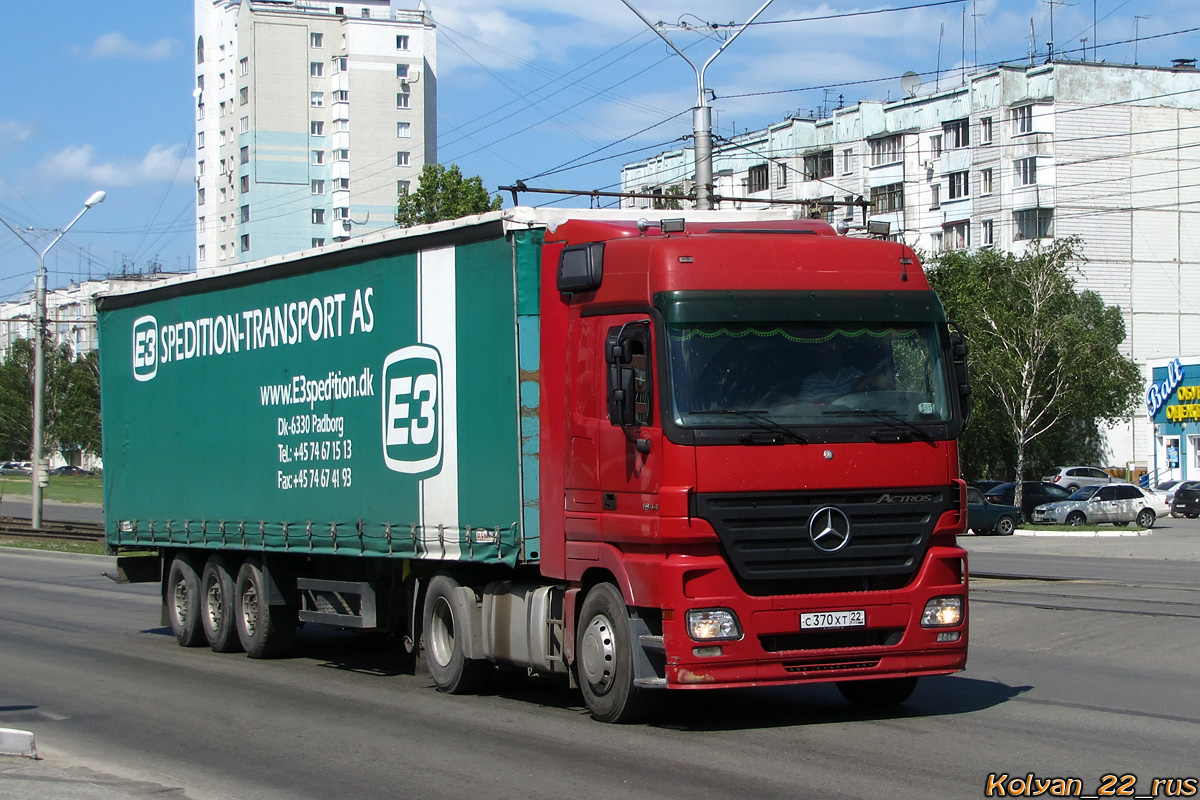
(265, 631)
(879, 692)
(216, 606)
(604, 659)
(183, 600)
(445, 620)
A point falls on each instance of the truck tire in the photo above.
(265, 631)
(216, 606)
(604, 659)
(878, 693)
(184, 600)
(444, 619)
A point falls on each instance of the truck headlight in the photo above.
(713, 625)
(942, 612)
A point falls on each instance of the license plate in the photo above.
(833, 619)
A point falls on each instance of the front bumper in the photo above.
(774, 650)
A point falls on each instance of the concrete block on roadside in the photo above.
(17, 743)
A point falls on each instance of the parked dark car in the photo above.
(1035, 493)
(985, 486)
(1187, 500)
(72, 471)
(984, 517)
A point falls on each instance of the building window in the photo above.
(244, 211)
(202, 253)
(402, 71)
(200, 197)
(224, 194)
(341, 212)
(848, 206)
(223, 252)
(985, 130)
(245, 183)
(221, 78)
(245, 242)
(316, 99)
(200, 110)
(341, 96)
(341, 64)
(935, 242)
(244, 125)
(1022, 120)
(989, 233)
(341, 125)
(935, 146)
(318, 242)
(1025, 171)
(957, 133)
(200, 82)
(403, 130)
(960, 185)
(985, 181)
(1034, 223)
(366, 13)
(935, 200)
(318, 216)
(402, 158)
(781, 181)
(200, 50)
(956, 236)
(316, 69)
(341, 184)
(318, 187)
(244, 155)
(200, 225)
(402, 99)
(244, 66)
(318, 157)
(341, 155)
(401, 42)
(847, 161)
(818, 165)
(316, 40)
(223, 137)
(757, 180)
(885, 199)
(887, 150)
(316, 128)
(402, 187)
(200, 168)
(244, 95)
(200, 140)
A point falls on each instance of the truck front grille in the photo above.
(768, 538)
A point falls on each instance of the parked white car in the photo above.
(1116, 503)
(1072, 478)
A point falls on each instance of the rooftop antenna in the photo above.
(963, 71)
(937, 78)
(910, 82)
(1031, 35)
(1136, 19)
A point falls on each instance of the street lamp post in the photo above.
(39, 357)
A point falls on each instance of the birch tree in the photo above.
(1043, 356)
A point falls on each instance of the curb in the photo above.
(17, 743)
(1069, 534)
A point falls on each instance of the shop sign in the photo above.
(1159, 393)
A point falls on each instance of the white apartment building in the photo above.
(1109, 153)
(311, 118)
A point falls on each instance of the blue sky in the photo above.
(101, 95)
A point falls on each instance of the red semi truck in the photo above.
(694, 453)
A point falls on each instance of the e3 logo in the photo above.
(145, 348)
(412, 409)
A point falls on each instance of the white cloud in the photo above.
(118, 45)
(78, 163)
(13, 133)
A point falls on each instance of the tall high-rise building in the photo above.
(311, 118)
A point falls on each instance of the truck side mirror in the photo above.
(958, 351)
(627, 353)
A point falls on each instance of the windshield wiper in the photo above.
(897, 423)
(761, 420)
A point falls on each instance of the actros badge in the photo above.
(145, 348)
(412, 410)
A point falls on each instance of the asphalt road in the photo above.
(1068, 678)
(19, 506)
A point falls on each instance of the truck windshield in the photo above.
(793, 373)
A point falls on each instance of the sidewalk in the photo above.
(46, 779)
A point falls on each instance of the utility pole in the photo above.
(702, 113)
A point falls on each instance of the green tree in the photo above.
(1045, 361)
(72, 403)
(443, 193)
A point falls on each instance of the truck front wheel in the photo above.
(265, 631)
(604, 658)
(183, 602)
(446, 621)
(878, 692)
(216, 606)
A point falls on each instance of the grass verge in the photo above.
(62, 489)
(87, 548)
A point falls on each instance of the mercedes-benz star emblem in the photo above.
(829, 529)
